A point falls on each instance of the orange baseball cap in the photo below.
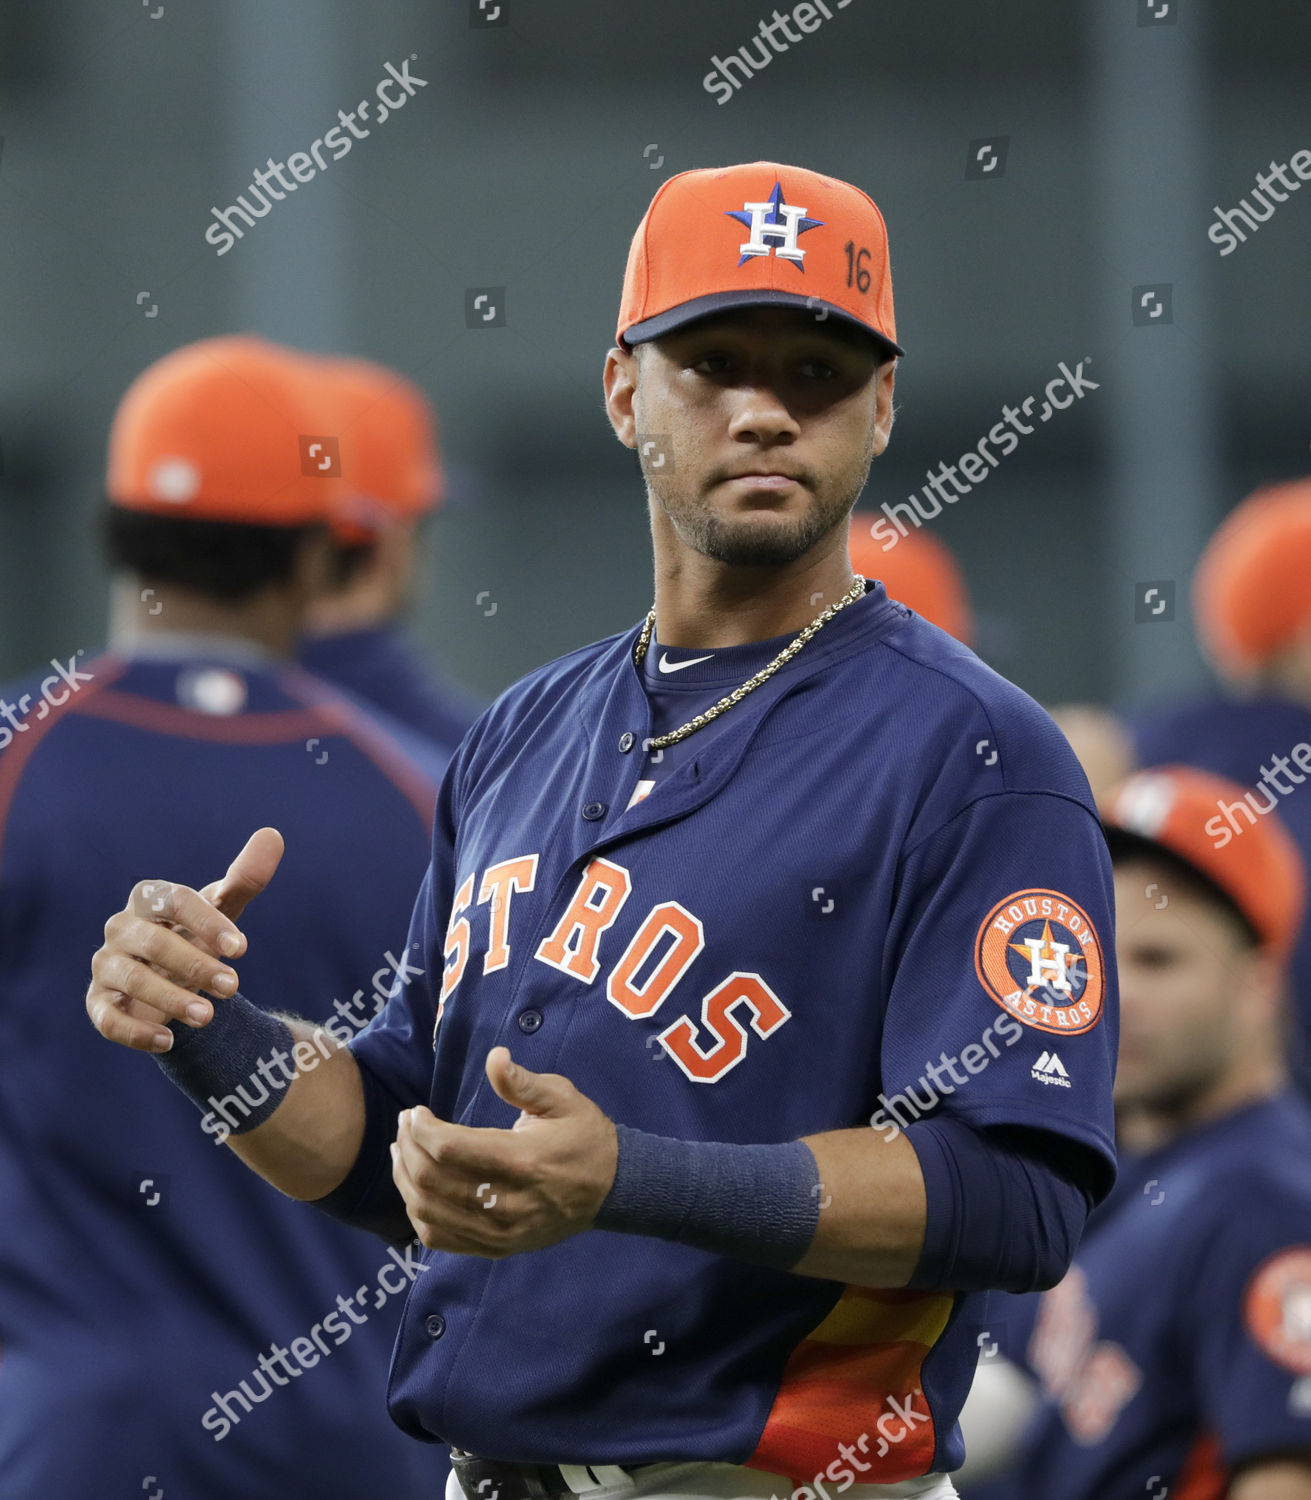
(227, 429)
(919, 571)
(387, 432)
(1252, 588)
(1253, 860)
(761, 234)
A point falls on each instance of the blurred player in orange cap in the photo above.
(222, 430)
(154, 1295)
(393, 478)
(1252, 592)
(1174, 1356)
(919, 571)
(220, 478)
(1252, 610)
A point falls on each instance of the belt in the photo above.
(491, 1479)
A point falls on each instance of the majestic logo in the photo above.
(774, 226)
(1039, 957)
(1277, 1308)
(1050, 1069)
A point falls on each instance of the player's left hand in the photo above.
(500, 1192)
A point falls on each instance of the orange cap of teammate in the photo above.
(761, 234)
(1253, 859)
(226, 429)
(389, 459)
(1252, 588)
(920, 572)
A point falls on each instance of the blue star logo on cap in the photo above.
(775, 228)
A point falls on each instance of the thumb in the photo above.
(534, 1093)
(248, 874)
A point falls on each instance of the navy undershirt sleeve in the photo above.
(1006, 1206)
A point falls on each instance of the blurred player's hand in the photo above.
(496, 1193)
(168, 944)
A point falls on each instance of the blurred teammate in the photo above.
(392, 475)
(734, 883)
(1175, 1357)
(920, 571)
(1252, 609)
(169, 1323)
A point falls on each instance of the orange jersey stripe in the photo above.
(106, 669)
(1203, 1476)
(860, 1366)
(324, 712)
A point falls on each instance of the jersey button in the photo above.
(627, 740)
(435, 1324)
(593, 810)
(530, 1020)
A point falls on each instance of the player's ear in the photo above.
(313, 570)
(620, 381)
(883, 407)
(1264, 988)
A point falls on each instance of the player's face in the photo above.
(756, 430)
(1183, 968)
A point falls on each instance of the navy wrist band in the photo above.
(237, 1069)
(753, 1203)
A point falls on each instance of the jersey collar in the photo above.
(616, 681)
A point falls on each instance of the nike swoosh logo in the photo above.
(666, 665)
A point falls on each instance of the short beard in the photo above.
(1175, 1097)
(750, 543)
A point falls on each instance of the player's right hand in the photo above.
(168, 944)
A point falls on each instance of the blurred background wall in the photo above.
(1114, 128)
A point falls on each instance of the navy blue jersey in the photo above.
(382, 667)
(1237, 738)
(885, 859)
(145, 1272)
(681, 684)
(1179, 1344)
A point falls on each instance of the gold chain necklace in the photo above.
(856, 590)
